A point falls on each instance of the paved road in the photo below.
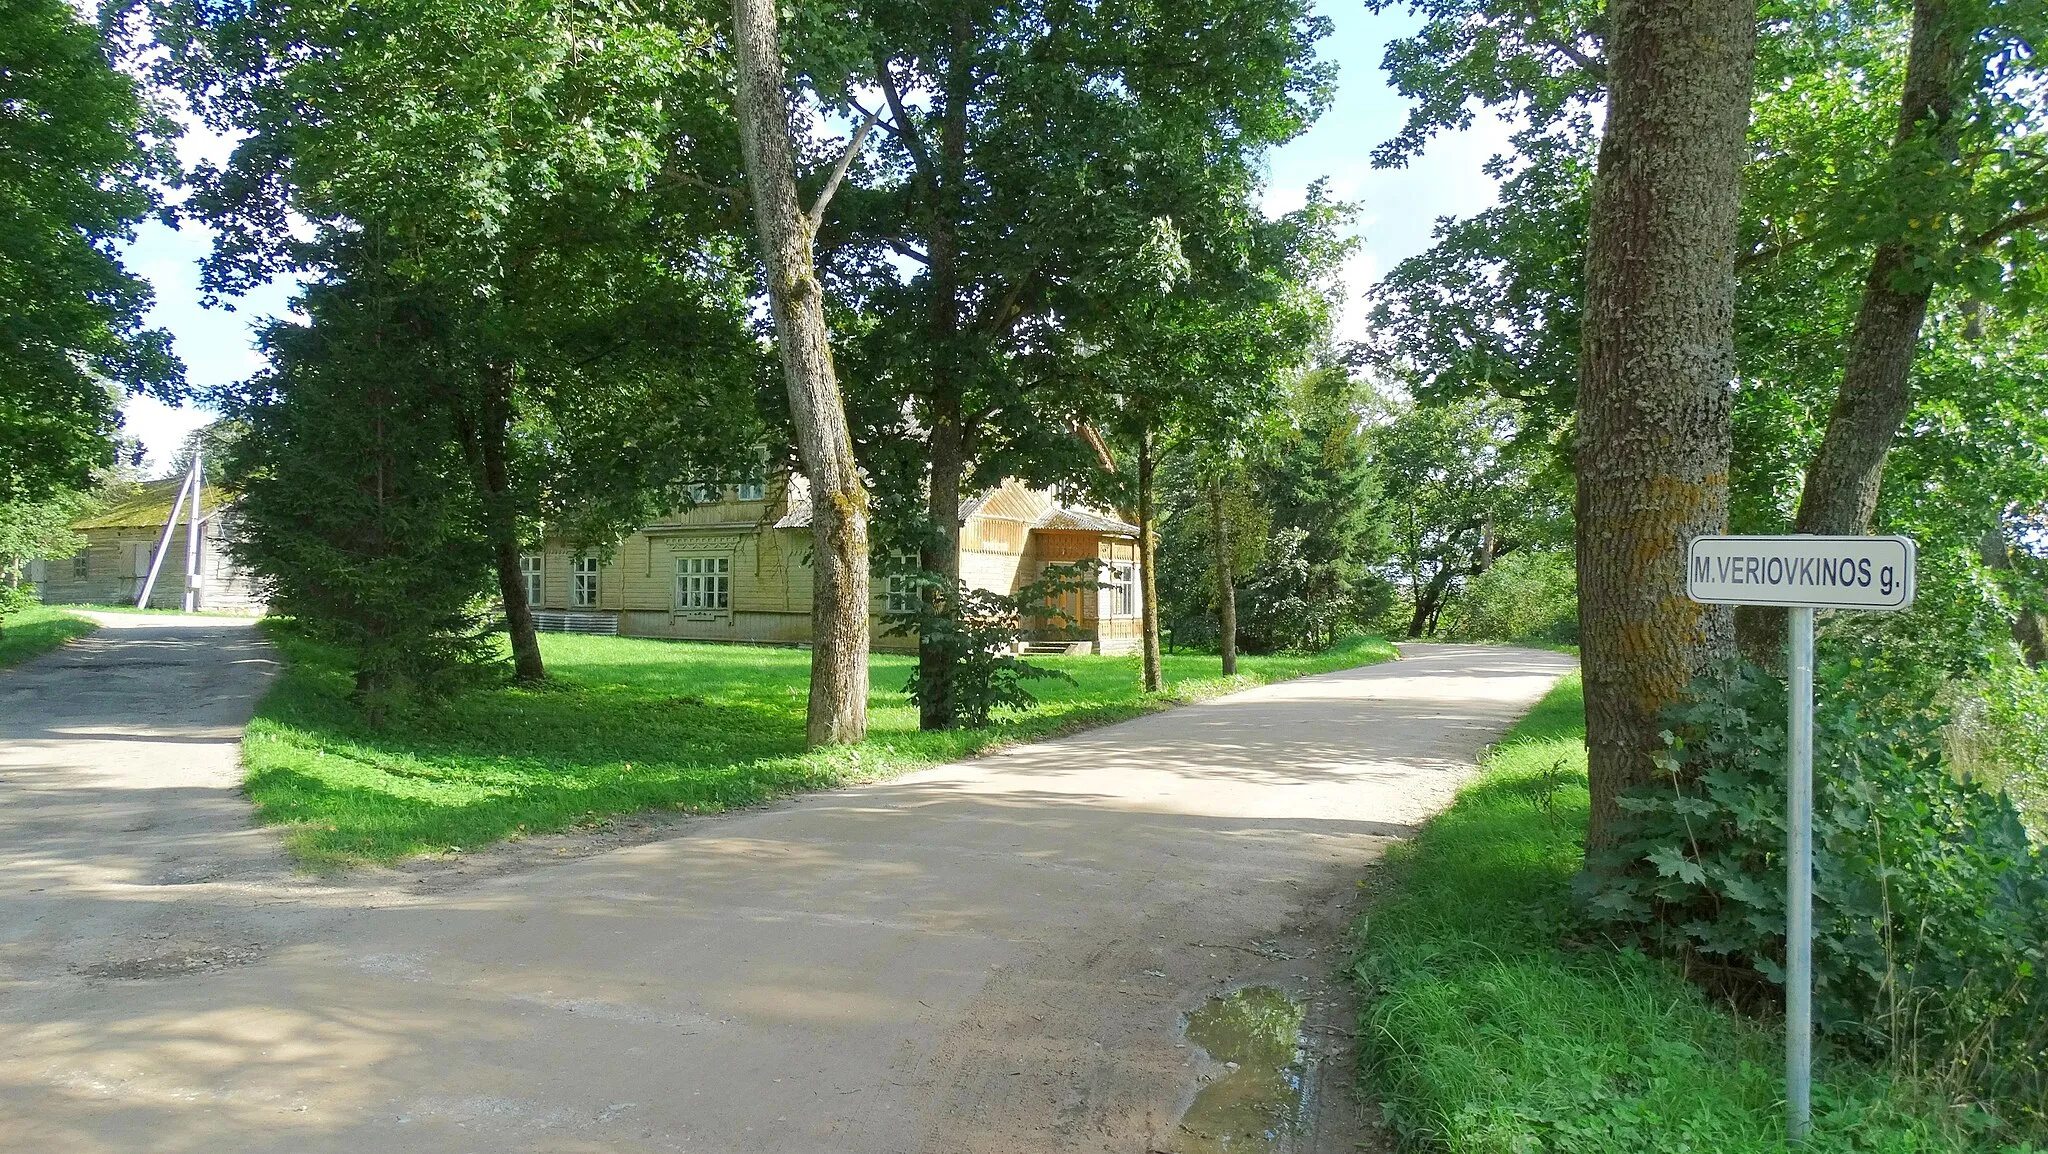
(993, 956)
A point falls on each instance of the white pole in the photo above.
(156, 560)
(1799, 882)
(192, 534)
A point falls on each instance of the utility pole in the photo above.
(193, 577)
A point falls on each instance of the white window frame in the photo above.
(899, 583)
(704, 494)
(583, 581)
(533, 573)
(1120, 597)
(750, 491)
(703, 584)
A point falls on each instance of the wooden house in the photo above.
(736, 566)
(121, 541)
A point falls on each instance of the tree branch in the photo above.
(817, 213)
(905, 130)
(2009, 225)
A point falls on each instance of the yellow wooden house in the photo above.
(736, 566)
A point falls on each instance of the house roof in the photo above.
(149, 506)
(1085, 520)
(998, 501)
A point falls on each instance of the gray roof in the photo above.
(1059, 517)
(1067, 517)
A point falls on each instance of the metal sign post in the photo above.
(1801, 574)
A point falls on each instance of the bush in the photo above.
(980, 637)
(1931, 905)
(1527, 597)
(15, 598)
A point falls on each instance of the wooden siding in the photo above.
(118, 562)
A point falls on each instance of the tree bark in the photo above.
(937, 706)
(1656, 365)
(1226, 583)
(2029, 626)
(838, 707)
(1148, 555)
(501, 516)
(1842, 484)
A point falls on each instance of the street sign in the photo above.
(1801, 574)
(1817, 572)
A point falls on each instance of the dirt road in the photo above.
(994, 956)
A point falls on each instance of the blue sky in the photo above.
(1398, 208)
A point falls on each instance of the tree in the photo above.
(1463, 495)
(1658, 355)
(839, 502)
(1943, 213)
(1020, 144)
(532, 198)
(78, 143)
(356, 503)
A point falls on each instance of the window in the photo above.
(530, 570)
(702, 494)
(1121, 596)
(751, 490)
(81, 566)
(703, 584)
(901, 583)
(583, 583)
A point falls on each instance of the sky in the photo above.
(1398, 208)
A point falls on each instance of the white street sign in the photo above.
(1817, 572)
(1802, 574)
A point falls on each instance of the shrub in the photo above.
(980, 637)
(1931, 905)
(1529, 597)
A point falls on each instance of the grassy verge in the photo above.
(36, 630)
(626, 725)
(1483, 1033)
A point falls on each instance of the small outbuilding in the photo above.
(122, 540)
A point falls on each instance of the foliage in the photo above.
(77, 142)
(33, 630)
(1486, 1030)
(979, 638)
(626, 725)
(1461, 495)
(355, 504)
(1931, 907)
(1308, 523)
(1529, 597)
(1998, 735)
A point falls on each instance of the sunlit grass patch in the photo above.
(36, 630)
(626, 725)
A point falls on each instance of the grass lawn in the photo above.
(628, 724)
(36, 630)
(1484, 1034)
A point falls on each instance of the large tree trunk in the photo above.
(1148, 556)
(1656, 364)
(838, 708)
(1840, 495)
(937, 706)
(1226, 583)
(493, 433)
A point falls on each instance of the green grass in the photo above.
(625, 725)
(1487, 1031)
(36, 630)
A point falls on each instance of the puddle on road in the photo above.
(1255, 1108)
